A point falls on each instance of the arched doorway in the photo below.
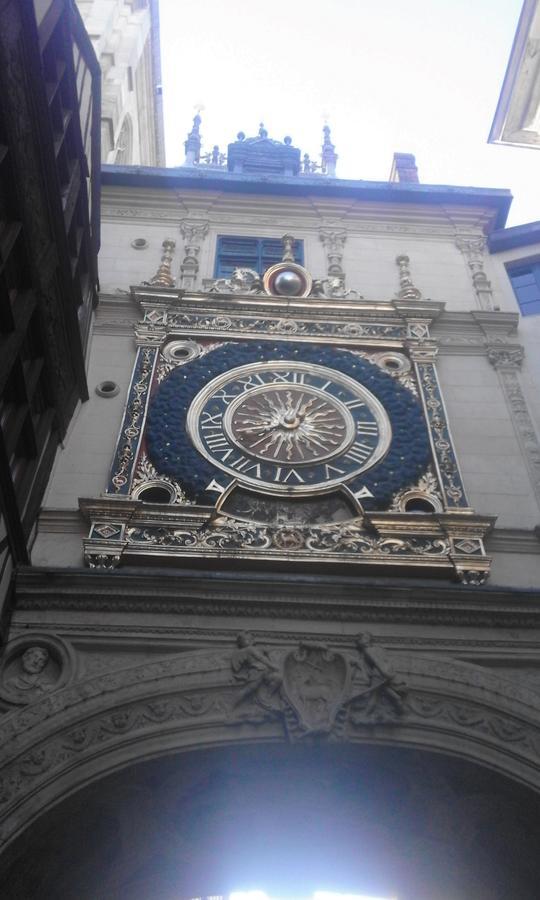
(289, 819)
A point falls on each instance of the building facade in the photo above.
(125, 37)
(517, 118)
(284, 594)
(49, 189)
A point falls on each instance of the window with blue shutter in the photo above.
(526, 283)
(250, 253)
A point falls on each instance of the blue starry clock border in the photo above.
(173, 454)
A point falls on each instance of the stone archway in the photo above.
(287, 818)
(197, 700)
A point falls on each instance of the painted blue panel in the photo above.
(173, 454)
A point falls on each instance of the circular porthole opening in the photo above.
(139, 244)
(156, 493)
(392, 364)
(419, 505)
(181, 352)
(107, 389)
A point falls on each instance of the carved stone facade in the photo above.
(194, 592)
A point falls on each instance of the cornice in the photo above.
(494, 202)
(499, 540)
(513, 540)
(276, 595)
(62, 521)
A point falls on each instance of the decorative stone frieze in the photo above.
(295, 689)
(193, 233)
(424, 543)
(473, 249)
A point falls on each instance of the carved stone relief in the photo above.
(313, 690)
(34, 665)
(304, 691)
(333, 241)
(507, 361)
(473, 250)
(193, 233)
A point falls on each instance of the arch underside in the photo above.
(183, 715)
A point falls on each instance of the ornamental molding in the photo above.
(513, 540)
(61, 521)
(129, 532)
(250, 692)
(507, 363)
(444, 455)
(140, 212)
(269, 595)
(194, 232)
(479, 652)
(474, 252)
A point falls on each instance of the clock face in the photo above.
(286, 426)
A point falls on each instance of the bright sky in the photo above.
(419, 77)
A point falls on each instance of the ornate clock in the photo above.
(291, 419)
(288, 426)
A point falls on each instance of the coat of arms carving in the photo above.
(314, 690)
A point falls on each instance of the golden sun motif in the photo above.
(291, 425)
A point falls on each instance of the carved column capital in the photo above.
(507, 357)
(333, 239)
(471, 246)
(193, 230)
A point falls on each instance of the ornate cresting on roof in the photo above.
(269, 422)
(260, 155)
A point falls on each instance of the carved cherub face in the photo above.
(244, 639)
(34, 660)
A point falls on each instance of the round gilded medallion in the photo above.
(289, 426)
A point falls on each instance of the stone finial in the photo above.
(329, 156)
(407, 290)
(193, 143)
(163, 276)
(404, 168)
(288, 248)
